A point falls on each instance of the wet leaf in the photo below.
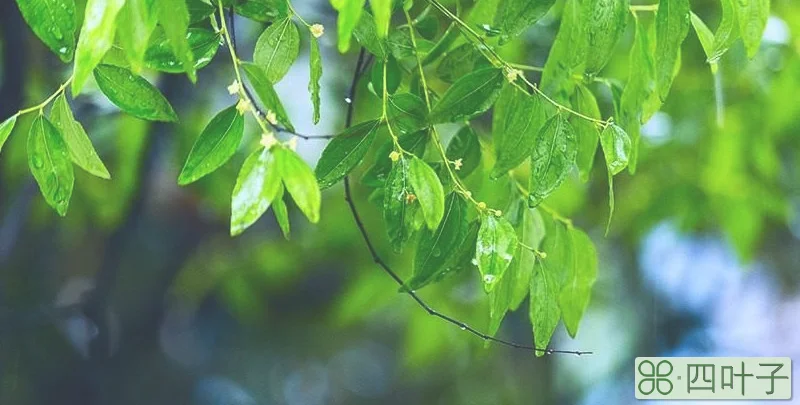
(257, 186)
(53, 21)
(133, 94)
(215, 145)
(277, 49)
(48, 159)
(80, 147)
(345, 152)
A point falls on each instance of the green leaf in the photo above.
(552, 159)
(437, 249)
(315, 70)
(135, 25)
(548, 275)
(81, 150)
(199, 10)
(215, 145)
(586, 131)
(345, 152)
(282, 214)
(398, 210)
(257, 186)
(459, 62)
(495, 248)
(161, 57)
(514, 16)
(48, 159)
(704, 34)
(512, 289)
(616, 148)
(300, 182)
(727, 31)
(96, 38)
(568, 54)
(262, 10)
(605, 22)
(393, 76)
(465, 146)
(174, 18)
(518, 117)
(640, 86)
(581, 276)
(530, 231)
(266, 93)
(469, 96)
(367, 35)
(382, 10)
(672, 25)
(349, 14)
(5, 129)
(133, 94)
(53, 21)
(752, 16)
(277, 49)
(428, 190)
(407, 113)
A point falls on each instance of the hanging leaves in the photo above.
(48, 159)
(315, 70)
(437, 249)
(581, 273)
(616, 148)
(266, 93)
(257, 186)
(496, 245)
(752, 16)
(173, 15)
(5, 130)
(518, 118)
(133, 94)
(672, 25)
(428, 190)
(136, 23)
(344, 152)
(605, 22)
(300, 182)
(586, 131)
(466, 149)
(399, 208)
(215, 146)
(349, 14)
(96, 38)
(160, 55)
(277, 49)
(53, 21)
(468, 97)
(514, 16)
(81, 150)
(552, 159)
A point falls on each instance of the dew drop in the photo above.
(463, 328)
(489, 279)
(62, 50)
(348, 100)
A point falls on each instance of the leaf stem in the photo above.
(43, 104)
(437, 140)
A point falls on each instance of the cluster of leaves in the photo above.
(431, 195)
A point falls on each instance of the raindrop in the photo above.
(463, 328)
(63, 49)
(348, 100)
(489, 279)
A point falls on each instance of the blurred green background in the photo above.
(701, 258)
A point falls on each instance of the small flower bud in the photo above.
(234, 87)
(482, 205)
(293, 143)
(512, 74)
(317, 30)
(394, 156)
(458, 163)
(410, 198)
(243, 106)
(498, 213)
(271, 118)
(268, 139)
